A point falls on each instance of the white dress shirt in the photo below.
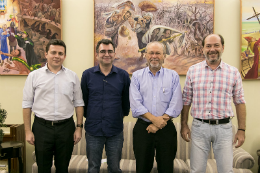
(52, 96)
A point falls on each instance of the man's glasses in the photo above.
(106, 51)
(154, 53)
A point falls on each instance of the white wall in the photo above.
(77, 25)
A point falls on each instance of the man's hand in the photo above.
(29, 137)
(166, 117)
(239, 138)
(185, 132)
(159, 122)
(77, 135)
(152, 128)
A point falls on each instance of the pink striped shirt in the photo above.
(210, 91)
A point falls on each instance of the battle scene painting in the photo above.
(26, 26)
(250, 39)
(131, 24)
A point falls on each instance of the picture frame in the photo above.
(26, 26)
(250, 40)
(132, 24)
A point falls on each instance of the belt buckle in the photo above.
(217, 122)
(209, 121)
(52, 123)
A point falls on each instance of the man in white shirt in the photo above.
(52, 92)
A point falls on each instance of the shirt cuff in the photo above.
(138, 112)
(27, 104)
(78, 103)
(173, 114)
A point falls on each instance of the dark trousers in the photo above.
(57, 141)
(164, 141)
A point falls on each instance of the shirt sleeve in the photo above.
(28, 92)
(238, 92)
(125, 96)
(176, 103)
(187, 90)
(77, 93)
(85, 92)
(136, 98)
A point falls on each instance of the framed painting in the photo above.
(250, 39)
(26, 26)
(132, 24)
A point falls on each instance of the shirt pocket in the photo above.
(165, 94)
(67, 89)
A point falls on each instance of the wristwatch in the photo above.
(80, 125)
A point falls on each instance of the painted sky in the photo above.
(247, 10)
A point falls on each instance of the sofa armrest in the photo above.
(242, 159)
(33, 156)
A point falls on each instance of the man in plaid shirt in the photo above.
(209, 87)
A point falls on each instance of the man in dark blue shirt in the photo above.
(106, 95)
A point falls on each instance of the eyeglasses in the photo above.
(106, 51)
(154, 53)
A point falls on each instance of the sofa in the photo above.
(242, 161)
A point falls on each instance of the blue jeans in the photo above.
(113, 147)
(202, 135)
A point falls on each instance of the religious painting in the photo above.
(250, 39)
(26, 26)
(131, 24)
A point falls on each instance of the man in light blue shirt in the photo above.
(155, 98)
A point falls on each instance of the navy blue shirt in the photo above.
(106, 100)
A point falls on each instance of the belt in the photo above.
(57, 122)
(148, 123)
(219, 121)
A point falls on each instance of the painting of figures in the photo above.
(131, 24)
(250, 40)
(26, 26)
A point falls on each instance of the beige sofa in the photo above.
(242, 162)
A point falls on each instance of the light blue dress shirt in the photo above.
(158, 94)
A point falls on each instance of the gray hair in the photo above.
(156, 42)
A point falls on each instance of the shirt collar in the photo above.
(47, 69)
(219, 66)
(113, 70)
(160, 71)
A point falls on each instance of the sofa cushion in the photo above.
(79, 164)
(212, 167)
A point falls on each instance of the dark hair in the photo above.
(19, 52)
(55, 42)
(167, 30)
(106, 42)
(220, 36)
(128, 12)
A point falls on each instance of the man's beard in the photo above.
(217, 53)
(154, 65)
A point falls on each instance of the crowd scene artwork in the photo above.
(250, 39)
(26, 26)
(131, 24)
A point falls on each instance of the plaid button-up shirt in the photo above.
(210, 91)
